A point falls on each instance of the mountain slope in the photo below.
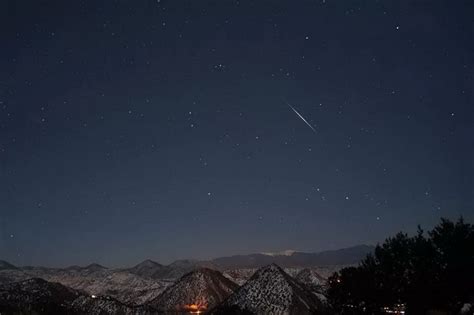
(122, 285)
(35, 296)
(310, 278)
(201, 289)
(271, 291)
(107, 306)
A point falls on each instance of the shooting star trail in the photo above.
(302, 118)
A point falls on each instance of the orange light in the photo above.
(195, 308)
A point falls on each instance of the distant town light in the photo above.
(195, 308)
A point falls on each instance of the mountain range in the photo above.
(285, 259)
(269, 291)
(288, 259)
(290, 282)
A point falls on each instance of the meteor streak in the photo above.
(302, 118)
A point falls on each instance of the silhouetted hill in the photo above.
(147, 268)
(4, 265)
(36, 296)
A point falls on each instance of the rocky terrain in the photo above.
(271, 291)
(311, 278)
(94, 280)
(106, 305)
(201, 290)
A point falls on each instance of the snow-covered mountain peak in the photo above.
(272, 291)
(199, 290)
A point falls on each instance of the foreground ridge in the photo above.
(199, 290)
(271, 291)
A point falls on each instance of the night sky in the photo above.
(163, 129)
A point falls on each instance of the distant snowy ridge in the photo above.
(287, 252)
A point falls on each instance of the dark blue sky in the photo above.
(160, 129)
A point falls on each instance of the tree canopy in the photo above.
(427, 272)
